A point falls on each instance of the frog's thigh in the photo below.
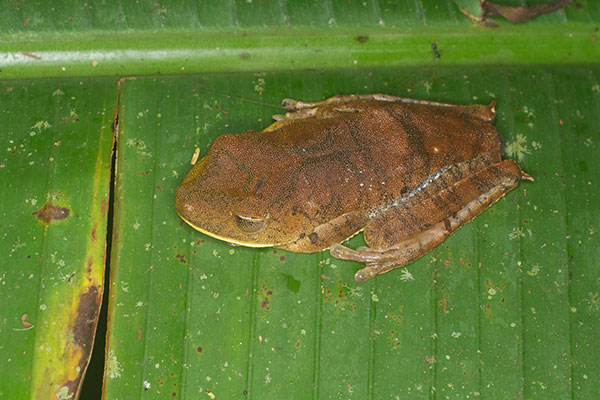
(440, 215)
(433, 204)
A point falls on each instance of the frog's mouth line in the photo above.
(223, 238)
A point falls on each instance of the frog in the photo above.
(405, 172)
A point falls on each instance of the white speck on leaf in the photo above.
(516, 233)
(428, 86)
(40, 125)
(406, 276)
(354, 291)
(593, 301)
(113, 367)
(63, 393)
(517, 148)
(534, 270)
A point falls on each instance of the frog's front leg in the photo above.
(469, 197)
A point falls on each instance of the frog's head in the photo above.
(234, 194)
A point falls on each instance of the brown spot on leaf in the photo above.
(362, 39)
(50, 212)
(265, 294)
(83, 332)
(265, 303)
(313, 237)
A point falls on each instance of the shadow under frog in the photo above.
(406, 172)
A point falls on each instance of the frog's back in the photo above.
(361, 160)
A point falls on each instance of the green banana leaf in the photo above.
(475, 316)
(507, 307)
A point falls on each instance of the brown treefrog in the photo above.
(406, 172)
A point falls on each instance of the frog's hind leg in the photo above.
(295, 105)
(329, 108)
(402, 234)
(343, 104)
(302, 109)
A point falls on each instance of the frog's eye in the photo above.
(249, 225)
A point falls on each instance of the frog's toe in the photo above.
(376, 267)
(338, 251)
(293, 105)
(364, 274)
(344, 253)
(288, 104)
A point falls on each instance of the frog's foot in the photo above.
(379, 261)
(376, 261)
(404, 233)
(294, 105)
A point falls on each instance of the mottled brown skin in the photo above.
(405, 171)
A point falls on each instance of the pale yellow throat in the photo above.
(229, 240)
